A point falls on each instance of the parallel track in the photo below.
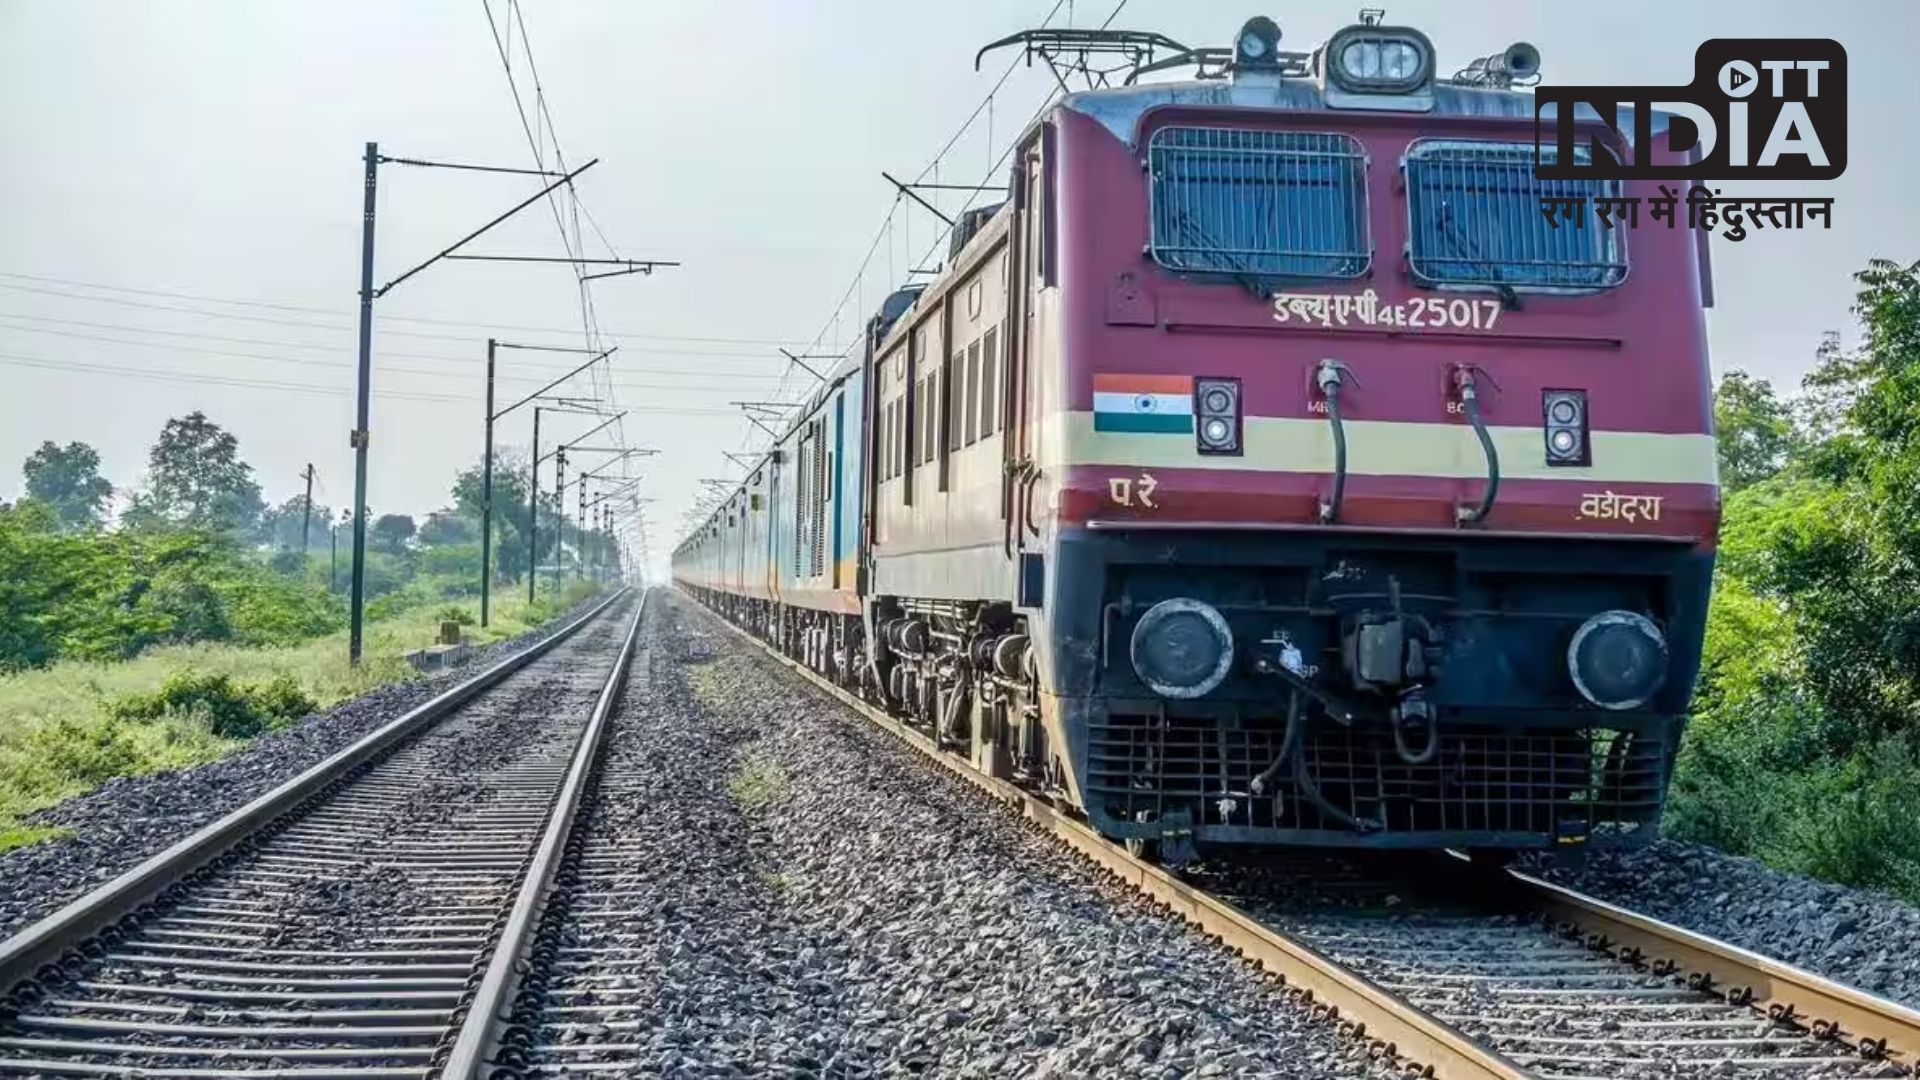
(1544, 982)
(347, 924)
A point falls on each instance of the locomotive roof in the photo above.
(1119, 108)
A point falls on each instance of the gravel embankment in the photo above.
(126, 820)
(770, 886)
(1849, 935)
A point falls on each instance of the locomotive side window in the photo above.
(972, 404)
(1473, 218)
(1258, 204)
(989, 381)
(925, 420)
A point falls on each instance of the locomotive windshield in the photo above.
(1259, 204)
(1474, 218)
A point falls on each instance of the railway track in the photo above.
(1501, 976)
(358, 921)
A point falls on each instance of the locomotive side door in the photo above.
(1029, 274)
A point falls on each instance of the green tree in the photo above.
(196, 480)
(389, 533)
(68, 480)
(509, 511)
(1754, 429)
(446, 527)
(280, 525)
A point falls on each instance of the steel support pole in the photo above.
(560, 512)
(533, 510)
(361, 423)
(306, 521)
(486, 496)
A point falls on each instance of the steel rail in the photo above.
(25, 954)
(490, 1012)
(1779, 991)
(1394, 1026)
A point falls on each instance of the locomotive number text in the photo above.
(1365, 309)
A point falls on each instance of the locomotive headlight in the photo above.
(1394, 60)
(1618, 659)
(1565, 413)
(1182, 648)
(1380, 60)
(1217, 415)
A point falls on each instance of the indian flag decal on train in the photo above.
(1160, 404)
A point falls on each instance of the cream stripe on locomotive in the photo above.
(1389, 448)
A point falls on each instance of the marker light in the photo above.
(1217, 415)
(1258, 45)
(1566, 427)
(1380, 60)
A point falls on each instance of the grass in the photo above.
(709, 687)
(61, 736)
(759, 783)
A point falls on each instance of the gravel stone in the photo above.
(768, 885)
(126, 820)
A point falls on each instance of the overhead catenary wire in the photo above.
(346, 312)
(11, 359)
(706, 375)
(465, 339)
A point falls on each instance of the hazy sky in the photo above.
(179, 211)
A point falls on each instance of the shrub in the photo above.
(90, 751)
(456, 614)
(229, 710)
(281, 698)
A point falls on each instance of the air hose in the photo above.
(1311, 791)
(1470, 397)
(1329, 377)
(1287, 739)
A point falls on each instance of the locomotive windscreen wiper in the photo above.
(1464, 246)
(1248, 280)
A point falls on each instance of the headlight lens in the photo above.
(1371, 59)
(1396, 60)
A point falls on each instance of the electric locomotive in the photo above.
(1270, 468)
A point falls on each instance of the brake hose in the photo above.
(1287, 739)
(1329, 376)
(1303, 780)
(1470, 397)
